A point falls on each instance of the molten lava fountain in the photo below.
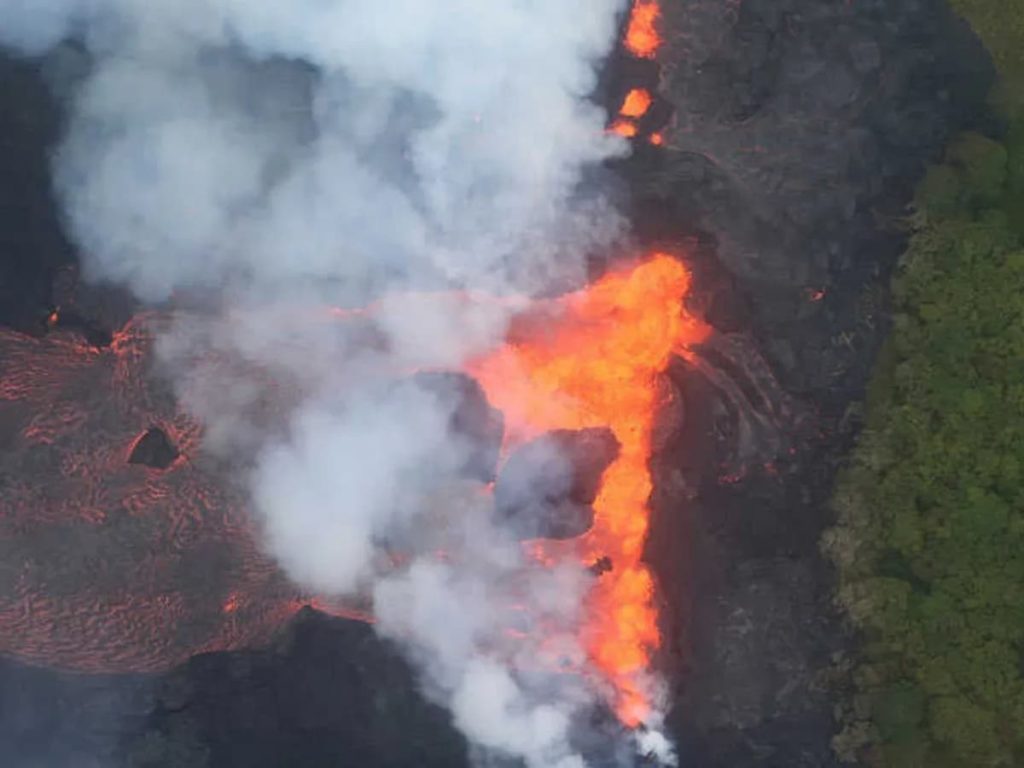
(642, 37)
(594, 359)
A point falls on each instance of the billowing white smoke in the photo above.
(281, 156)
(437, 140)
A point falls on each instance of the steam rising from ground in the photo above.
(277, 157)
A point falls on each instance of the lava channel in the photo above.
(596, 358)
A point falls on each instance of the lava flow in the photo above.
(110, 566)
(624, 128)
(642, 37)
(593, 359)
(636, 104)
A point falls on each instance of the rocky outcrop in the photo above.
(546, 488)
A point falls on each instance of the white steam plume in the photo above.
(280, 156)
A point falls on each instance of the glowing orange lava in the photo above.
(657, 139)
(641, 36)
(623, 128)
(593, 358)
(636, 104)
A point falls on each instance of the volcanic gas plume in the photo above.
(430, 170)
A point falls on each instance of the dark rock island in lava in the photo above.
(547, 486)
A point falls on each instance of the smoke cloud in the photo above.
(266, 160)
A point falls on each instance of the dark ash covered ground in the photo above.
(800, 128)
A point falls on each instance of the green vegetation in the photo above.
(930, 537)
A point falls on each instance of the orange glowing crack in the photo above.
(636, 104)
(597, 364)
(641, 35)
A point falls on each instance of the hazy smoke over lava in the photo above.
(279, 158)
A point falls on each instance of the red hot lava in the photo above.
(635, 106)
(599, 365)
(642, 38)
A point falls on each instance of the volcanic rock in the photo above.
(547, 486)
(125, 570)
(798, 131)
(776, 98)
(154, 449)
